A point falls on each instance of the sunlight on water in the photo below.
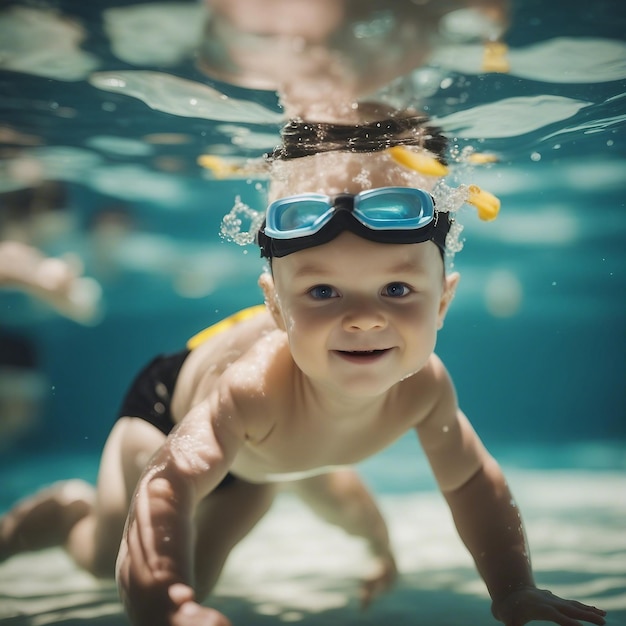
(510, 117)
(41, 42)
(167, 93)
(154, 34)
(559, 60)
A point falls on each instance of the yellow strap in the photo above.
(205, 334)
(487, 204)
(421, 162)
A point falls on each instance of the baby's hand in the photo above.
(190, 613)
(193, 614)
(526, 605)
(381, 579)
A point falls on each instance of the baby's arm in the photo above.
(490, 525)
(155, 563)
(489, 521)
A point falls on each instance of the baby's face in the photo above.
(332, 173)
(361, 316)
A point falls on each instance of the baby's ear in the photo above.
(451, 283)
(266, 282)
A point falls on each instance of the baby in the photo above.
(337, 365)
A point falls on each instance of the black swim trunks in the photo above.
(150, 395)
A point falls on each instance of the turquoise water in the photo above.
(115, 119)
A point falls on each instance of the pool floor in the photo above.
(294, 568)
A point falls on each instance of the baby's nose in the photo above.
(362, 318)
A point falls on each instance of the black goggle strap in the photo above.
(264, 242)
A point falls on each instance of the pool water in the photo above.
(104, 102)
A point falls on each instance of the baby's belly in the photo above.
(289, 456)
(288, 464)
(260, 476)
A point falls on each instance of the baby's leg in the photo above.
(88, 522)
(223, 518)
(341, 498)
(95, 540)
(45, 519)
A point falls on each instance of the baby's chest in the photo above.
(308, 445)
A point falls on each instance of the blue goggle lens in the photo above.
(396, 209)
(299, 214)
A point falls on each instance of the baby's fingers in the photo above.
(370, 589)
(529, 604)
(584, 612)
(379, 582)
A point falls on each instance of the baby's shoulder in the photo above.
(433, 376)
(257, 386)
(429, 389)
(238, 358)
(265, 363)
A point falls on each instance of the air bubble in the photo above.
(232, 228)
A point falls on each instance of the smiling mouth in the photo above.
(361, 355)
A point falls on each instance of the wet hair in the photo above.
(302, 138)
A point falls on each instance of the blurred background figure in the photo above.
(323, 55)
(31, 221)
(56, 281)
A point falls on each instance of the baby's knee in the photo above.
(94, 550)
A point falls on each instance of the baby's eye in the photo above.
(396, 290)
(322, 292)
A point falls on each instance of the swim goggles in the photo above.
(384, 215)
